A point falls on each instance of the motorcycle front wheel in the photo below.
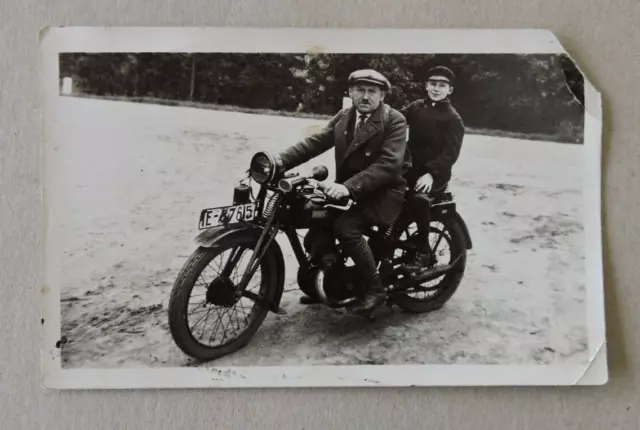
(206, 321)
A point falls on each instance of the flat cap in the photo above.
(441, 73)
(370, 76)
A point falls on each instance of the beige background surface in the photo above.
(605, 39)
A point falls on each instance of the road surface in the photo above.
(132, 178)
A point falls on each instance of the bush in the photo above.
(534, 94)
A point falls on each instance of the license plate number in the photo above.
(227, 214)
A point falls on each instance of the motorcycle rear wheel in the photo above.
(191, 276)
(446, 285)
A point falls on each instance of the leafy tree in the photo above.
(520, 93)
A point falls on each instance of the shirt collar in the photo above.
(365, 115)
(442, 102)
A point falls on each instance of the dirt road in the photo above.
(132, 179)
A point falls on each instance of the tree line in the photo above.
(530, 94)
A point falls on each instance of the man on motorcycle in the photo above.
(370, 146)
(436, 131)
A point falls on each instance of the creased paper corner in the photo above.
(595, 372)
(592, 97)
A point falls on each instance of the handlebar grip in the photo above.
(323, 187)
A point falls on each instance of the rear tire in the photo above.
(449, 282)
(179, 302)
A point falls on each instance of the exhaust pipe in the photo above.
(319, 287)
(427, 275)
(430, 274)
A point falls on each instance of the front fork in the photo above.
(269, 232)
(298, 250)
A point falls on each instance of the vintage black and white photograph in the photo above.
(302, 207)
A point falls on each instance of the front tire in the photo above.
(216, 300)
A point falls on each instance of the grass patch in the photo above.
(201, 105)
(559, 138)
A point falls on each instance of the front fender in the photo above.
(210, 236)
(213, 236)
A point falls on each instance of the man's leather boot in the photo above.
(374, 297)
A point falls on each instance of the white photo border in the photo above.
(54, 41)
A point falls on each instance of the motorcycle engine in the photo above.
(322, 249)
(334, 281)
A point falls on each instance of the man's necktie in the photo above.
(361, 122)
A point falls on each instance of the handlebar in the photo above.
(345, 207)
(347, 203)
(288, 184)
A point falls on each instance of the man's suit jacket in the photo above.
(370, 166)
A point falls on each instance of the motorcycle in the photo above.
(288, 203)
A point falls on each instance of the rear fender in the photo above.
(446, 211)
(465, 229)
(211, 237)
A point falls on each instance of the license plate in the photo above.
(227, 214)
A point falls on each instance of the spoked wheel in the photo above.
(206, 319)
(447, 248)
